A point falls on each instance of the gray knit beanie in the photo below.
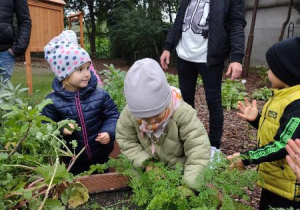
(147, 91)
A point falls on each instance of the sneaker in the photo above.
(214, 157)
(213, 151)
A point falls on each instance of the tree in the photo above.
(95, 11)
(137, 29)
(286, 21)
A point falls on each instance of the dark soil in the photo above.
(237, 136)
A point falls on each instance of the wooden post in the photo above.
(250, 41)
(28, 70)
(47, 22)
(77, 17)
(81, 29)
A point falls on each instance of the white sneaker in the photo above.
(214, 152)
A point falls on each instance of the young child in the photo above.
(76, 96)
(71, 36)
(157, 124)
(278, 123)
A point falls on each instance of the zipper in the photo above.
(83, 128)
(266, 111)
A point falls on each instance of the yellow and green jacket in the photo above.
(278, 123)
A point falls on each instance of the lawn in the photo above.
(41, 78)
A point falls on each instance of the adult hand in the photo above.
(293, 157)
(69, 131)
(103, 138)
(248, 111)
(235, 69)
(236, 161)
(10, 51)
(165, 59)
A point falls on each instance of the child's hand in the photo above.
(236, 161)
(103, 138)
(293, 157)
(248, 111)
(67, 131)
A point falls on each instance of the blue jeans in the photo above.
(7, 62)
(212, 80)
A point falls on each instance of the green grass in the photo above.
(41, 79)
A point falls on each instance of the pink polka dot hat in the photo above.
(64, 57)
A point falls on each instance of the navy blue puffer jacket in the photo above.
(94, 111)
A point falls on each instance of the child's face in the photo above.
(275, 82)
(79, 78)
(156, 119)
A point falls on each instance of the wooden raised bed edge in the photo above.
(105, 182)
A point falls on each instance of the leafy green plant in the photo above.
(10, 94)
(163, 188)
(263, 94)
(174, 81)
(262, 70)
(232, 92)
(30, 170)
(114, 84)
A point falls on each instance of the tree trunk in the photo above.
(170, 11)
(92, 34)
(286, 21)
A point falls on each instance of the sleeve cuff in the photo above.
(237, 58)
(255, 123)
(168, 47)
(245, 158)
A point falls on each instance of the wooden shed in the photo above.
(47, 22)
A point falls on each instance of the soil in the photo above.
(237, 136)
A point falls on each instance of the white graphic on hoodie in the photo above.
(192, 45)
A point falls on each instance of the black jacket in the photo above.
(8, 37)
(226, 31)
(291, 111)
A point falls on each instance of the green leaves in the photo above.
(162, 187)
(75, 195)
(99, 168)
(232, 92)
(30, 144)
(114, 85)
(263, 94)
(61, 175)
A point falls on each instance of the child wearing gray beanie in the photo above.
(278, 122)
(157, 124)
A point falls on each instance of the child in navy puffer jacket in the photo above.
(76, 96)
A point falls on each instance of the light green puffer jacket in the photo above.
(184, 140)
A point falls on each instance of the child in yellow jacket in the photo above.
(278, 123)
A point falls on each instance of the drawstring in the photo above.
(84, 134)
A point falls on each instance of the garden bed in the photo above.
(237, 136)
